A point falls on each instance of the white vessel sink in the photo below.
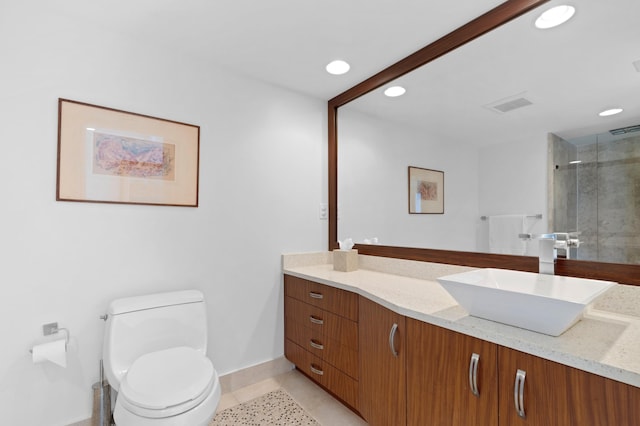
(548, 304)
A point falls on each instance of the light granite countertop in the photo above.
(605, 342)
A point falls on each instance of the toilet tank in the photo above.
(142, 324)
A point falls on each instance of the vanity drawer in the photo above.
(335, 300)
(322, 322)
(324, 347)
(340, 384)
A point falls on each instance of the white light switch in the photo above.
(323, 211)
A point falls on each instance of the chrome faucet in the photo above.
(547, 254)
(549, 244)
(567, 244)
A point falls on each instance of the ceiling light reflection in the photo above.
(395, 91)
(609, 112)
(555, 16)
(338, 67)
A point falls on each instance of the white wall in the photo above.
(262, 176)
(373, 195)
(513, 180)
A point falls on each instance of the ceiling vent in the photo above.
(509, 104)
(623, 130)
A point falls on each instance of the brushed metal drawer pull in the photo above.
(473, 373)
(315, 320)
(316, 370)
(392, 339)
(316, 345)
(315, 295)
(518, 392)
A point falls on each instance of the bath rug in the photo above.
(276, 408)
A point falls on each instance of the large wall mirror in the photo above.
(509, 113)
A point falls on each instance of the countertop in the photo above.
(605, 342)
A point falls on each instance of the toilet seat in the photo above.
(167, 382)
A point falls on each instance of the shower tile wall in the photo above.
(619, 200)
(600, 196)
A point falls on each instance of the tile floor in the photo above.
(315, 401)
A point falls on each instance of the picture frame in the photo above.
(106, 155)
(426, 191)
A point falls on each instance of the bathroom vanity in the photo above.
(394, 346)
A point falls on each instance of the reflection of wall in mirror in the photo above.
(373, 156)
(513, 181)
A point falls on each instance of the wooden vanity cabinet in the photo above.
(382, 365)
(321, 335)
(452, 378)
(546, 393)
(396, 370)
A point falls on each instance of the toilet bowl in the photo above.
(155, 359)
(164, 384)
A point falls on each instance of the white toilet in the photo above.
(155, 358)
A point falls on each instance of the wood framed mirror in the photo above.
(506, 12)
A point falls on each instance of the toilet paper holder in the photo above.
(52, 328)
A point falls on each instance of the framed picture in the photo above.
(426, 191)
(110, 156)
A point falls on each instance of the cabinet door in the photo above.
(444, 369)
(555, 394)
(533, 391)
(595, 400)
(382, 365)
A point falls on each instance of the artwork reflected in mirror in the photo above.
(426, 191)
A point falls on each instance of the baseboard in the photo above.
(254, 374)
(86, 422)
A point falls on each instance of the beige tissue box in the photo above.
(345, 260)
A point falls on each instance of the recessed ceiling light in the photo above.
(612, 111)
(338, 67)
(395, 91)
(575, 162)
(555, 16)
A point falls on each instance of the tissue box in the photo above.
(345, 260)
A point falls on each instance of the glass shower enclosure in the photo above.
(596, 194)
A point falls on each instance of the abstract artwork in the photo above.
(130, 157)
(112, 156)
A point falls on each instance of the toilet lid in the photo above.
(167, 378)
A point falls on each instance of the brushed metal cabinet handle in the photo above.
(316, 370)
(316, 345)
(518, 392)
(473, 373)
(315, 295)
(315, 320)
(392, 339)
